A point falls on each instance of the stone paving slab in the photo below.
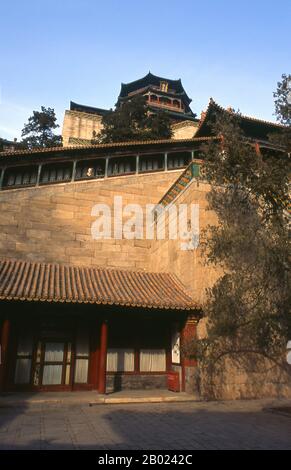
(93, 398)
(152, 426)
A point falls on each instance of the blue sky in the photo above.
(56, 51)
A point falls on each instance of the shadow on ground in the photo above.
(215, 425)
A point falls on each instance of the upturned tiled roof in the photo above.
(109, 146)
(252, 127)
(88, 109)
(33, 281)
(151, 79)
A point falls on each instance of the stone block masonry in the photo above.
(53, 223)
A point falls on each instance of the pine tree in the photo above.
(38, 132)
(283, 111)
(133, 121)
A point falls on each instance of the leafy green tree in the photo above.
(159, 126)
(133, 121)
(248, 307)
(283, 100)
(38, 132)
(283, 111)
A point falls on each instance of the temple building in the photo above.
(82, 123)
(83, 312)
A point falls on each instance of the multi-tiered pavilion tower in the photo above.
(81, 122)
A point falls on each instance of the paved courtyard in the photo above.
(190, 425)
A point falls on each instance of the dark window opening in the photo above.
(178, 159)
(154, 162)
(165, 101)
(136, 346)
(90, 169)
(56, 173)
(23, 176)
(121, 166)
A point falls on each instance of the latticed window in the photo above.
(20, 176)
(90, 169)
(123, 360)
(56, 173)
(123, 165)
(151, 162)
(82, 357)
(23, 358)
(152, 360)
(178, 159)
(120, 360)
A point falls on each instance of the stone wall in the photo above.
(184, 130)
(53, 223)
(80, 125)
(233, 378)
(242, 377)
(249, 377)
(188, 265)
(116, 382)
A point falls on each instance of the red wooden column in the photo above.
(103, 357)
(257, 149)
(4, 341)
(188, 333)
(94, 354)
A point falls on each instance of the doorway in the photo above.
(54, 367)
(53, 356)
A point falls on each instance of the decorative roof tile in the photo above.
(180, 184)
(88, 109)
(252, 127)
(151, 79)
(135, 143)
(50, 282)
